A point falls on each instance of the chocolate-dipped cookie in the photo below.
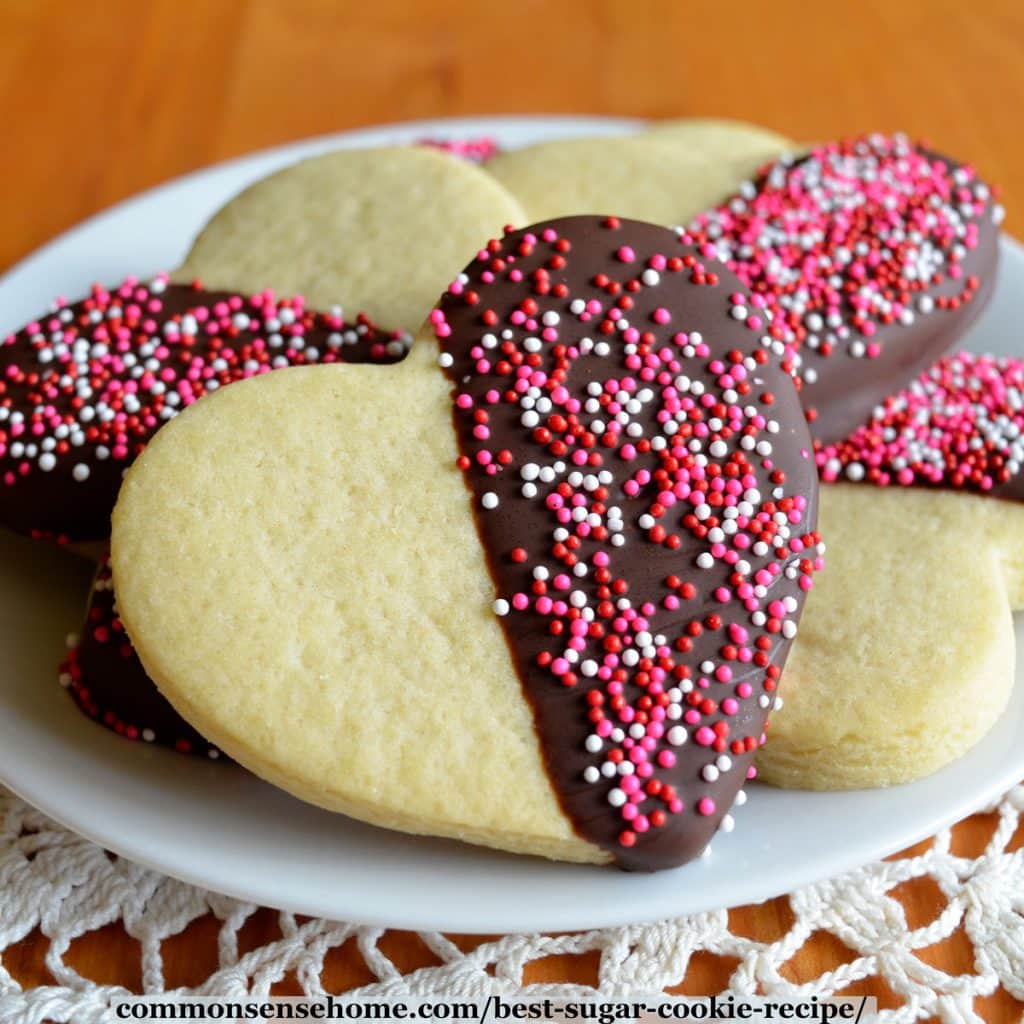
(893, 680)
(537, 597)
(865, 259)
(84, 389)
(958, 426)
(108, 683)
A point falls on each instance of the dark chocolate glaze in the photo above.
(839, 389)
(53, 503)
(105, 678)
(561, 711)
(1010, 490)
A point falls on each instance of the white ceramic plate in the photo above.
(216, 826)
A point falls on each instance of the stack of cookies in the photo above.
(526, 541)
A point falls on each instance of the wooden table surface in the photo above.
(102, 100)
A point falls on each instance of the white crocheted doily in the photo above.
(56, 881)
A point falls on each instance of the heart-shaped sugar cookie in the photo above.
(572, 657)
(734, 143)
(648, 176)
(379, 230)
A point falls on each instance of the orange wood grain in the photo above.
(102, 100)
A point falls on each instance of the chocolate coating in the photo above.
(496, 322)
(84, 388)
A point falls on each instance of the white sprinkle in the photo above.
(676, 736)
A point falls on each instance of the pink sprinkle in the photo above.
(705, 736)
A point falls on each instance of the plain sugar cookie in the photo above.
(381, 231)
(639, 176)
(575, 655)
(719, 139)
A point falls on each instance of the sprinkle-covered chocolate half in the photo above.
(105, 678)
(84, 388)
(645, 491)
(960, 425)
(864, 260)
